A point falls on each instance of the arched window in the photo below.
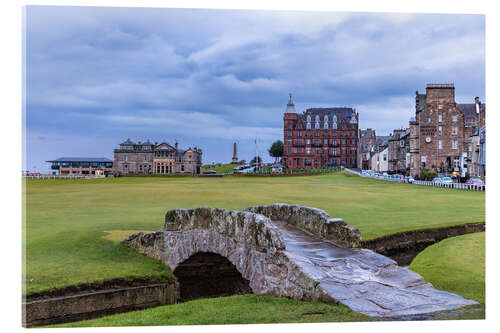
(316, 120)
(308, 125)
(334, 125)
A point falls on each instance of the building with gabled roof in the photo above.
(440, 130)
(320, 137)
(156, 158)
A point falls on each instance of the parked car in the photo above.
(475, 182)
(447, 180)
(437, 180)
(210, 172)
(409, 179)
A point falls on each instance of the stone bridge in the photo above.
(286, 251)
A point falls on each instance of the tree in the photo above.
(276, 150)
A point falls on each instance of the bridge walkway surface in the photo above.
(363, 280)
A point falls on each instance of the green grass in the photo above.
(456, 265)
(224, 168)
(67, 221)
(241, 309)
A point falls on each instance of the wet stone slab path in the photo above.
(363, 280)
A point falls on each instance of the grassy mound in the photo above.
(223, 168)
(456, 265)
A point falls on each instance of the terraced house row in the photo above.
(444, 136)
(320, 137)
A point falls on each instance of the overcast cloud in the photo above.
(97, 76)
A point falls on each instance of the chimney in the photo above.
(176, 145)
(478, 103)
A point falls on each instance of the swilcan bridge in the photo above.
(286, 251)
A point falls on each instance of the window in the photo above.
(145, 157)
(325, 141)
(401, 143)
(456, 162)
(454, 118)
(429, 120)
(308, 141)
(308, 161)
(308, 150)
(440, 117)
(317, 150)
(343, 133)
(289, 133)
(289, 141)
(289, 150)
(125, 158)
(299, 162)
(317, 133)
(299, 150)
(289, 126)
(440, 144)
(440, 130)
(454, 144)
(454, 130)
(343, 141)
(299, 133)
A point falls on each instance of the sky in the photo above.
(96, 76)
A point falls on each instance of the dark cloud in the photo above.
(208, 77)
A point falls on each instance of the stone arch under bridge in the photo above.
(287, 251)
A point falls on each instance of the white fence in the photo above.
(64, 177)
(459, 186)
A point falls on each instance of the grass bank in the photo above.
(456, 265)
(240, 309)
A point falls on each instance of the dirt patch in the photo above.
(403, 247)
(95, 286)
(119, 235)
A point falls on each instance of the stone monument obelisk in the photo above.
(235, 157)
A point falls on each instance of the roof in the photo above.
(469, 110)
(82, 159)
(128, 142)
(335, 116)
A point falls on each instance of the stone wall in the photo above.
(313, 220)
(97, 304)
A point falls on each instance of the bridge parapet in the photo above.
(313, 220)
(244, 227)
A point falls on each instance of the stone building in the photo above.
(399, 152)
(367, 139)
(320, 137)
(440, 130)
(154, 158)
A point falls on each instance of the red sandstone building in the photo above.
(320, 137)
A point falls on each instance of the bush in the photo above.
(428, 174)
